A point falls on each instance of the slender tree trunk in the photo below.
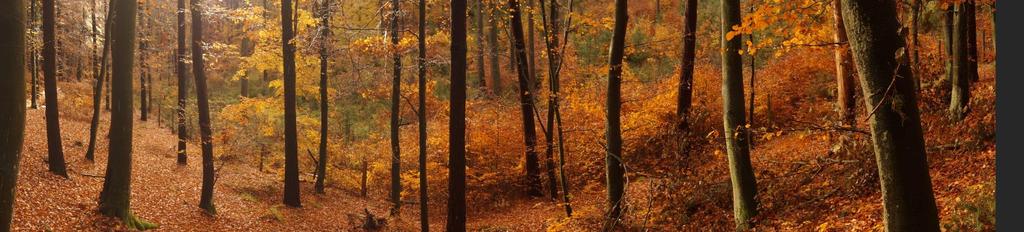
(98, 88)
(947, 29)
(33, 58)
(530, 48)
(396, 91)
(481, 49)
(554, 120)
(143, 95)
(181, 71)
(493, 47)
(12, 103)
(844, 70)
(115, 199)
(53, 138)
(970, 9)
(685, 97)
(321, 168)
(422, 115)
(909, 204)
(526, 101)
(963, 64)
(915, 15)
(744, 185)
(615, 169)
(994, 50)
(549, 131)
(291, 147)
(753, 91)
(457, 121)
(205, 133)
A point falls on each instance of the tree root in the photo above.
(133, 222)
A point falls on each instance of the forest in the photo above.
(497, 115)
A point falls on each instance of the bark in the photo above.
(12, 103)
(741, 171)
(53, 138)
(493, 47)
(205, 133)
(101, 69)
(685, 97)
(963, 64)
(421, 114)
(530, 45)
(915, 45)
(844, 70)
(143, 95)
(552, 27)
(321, 168)
(182, 72)
(456, 220)
(526, 101)
(909, 204)
(615, 169)
(481, 49)
(549, 138)
(947, 29)
(753, 80)
(291, 147)
(970, 11)
(33, 58)
(396, 89)
(115, 198)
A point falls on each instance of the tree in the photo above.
(844, 69)
(525, 100)
(550, 32)
(969, 7)
(325, 31)
(878, 51)
(421, 114)
(53, 140)
(741, 171)
(115, 199)
(143, 103)
(180, 70)
(685, 98)
(12, 104)
(615, 169)
(478, 11)
(205, 133)
(457, 121)
(947, 30)
(33, 58)
(396, 91)
(493, 47)
(100, 72)
(291, 145)
(964, 65)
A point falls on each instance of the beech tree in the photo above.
(396, 91)
(552, 26)
(100, 72)
(180, 70)
(12, 103)
(615, 169)
(526, 101)
(685, 97)
(965, 61)
(456, 220)
(844, 69)
(878, 50)
(55, 149)
(741, 171)
(325, 32)
(421, 114)
(205, 133)
(291, 145)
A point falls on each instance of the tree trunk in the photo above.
(205, 133)
(53, 139)
(844, 70)
(12, 103)
(481, 49)
(685, 97)
(321, 168)
(554, 117)
(98, 88)
(33, 58)
(493, 47)
(457, 121)
(181, 71)
(421, 114)
(291, 147)
(753, 91)
(549, 138)
(530, 45)
(115, 199)
(744, 185)
(947, 29)
(615, 169)
(915, 46)
(526, 101)
(396, 91)
(895, 121)
(963, 64)
(143, 98)
(970, 9)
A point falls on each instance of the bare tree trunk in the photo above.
(744, 185)
(53, 138)
(554, 66)
(205, 133)
(421, 114)
(33, 58)
(181, 71)
(909, 204)
(492, 44)
(844, 70)
(396, 91)
(482, 50)
(457, 121)
(963, 65)
(291, 169)
(143, 98)
(325, 31)
(685, 97)
(101, 70)
(525, 100)
(615, 169)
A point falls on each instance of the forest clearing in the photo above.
(498, 115)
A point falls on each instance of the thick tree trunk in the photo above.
(493, 47)
(101, 70)
(895, 121)
(396, 91)
(963, 64)
(457, 121)
(291, 145)
(115, 199)
(205, 133)
(526, 101)
(421, 114)
(53, 138)
(741, 171)
(615, 169)
(321, 168)
(844, 70)
(181, 71)
(685, 97)
(12, 103)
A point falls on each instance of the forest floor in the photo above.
(805, 182)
